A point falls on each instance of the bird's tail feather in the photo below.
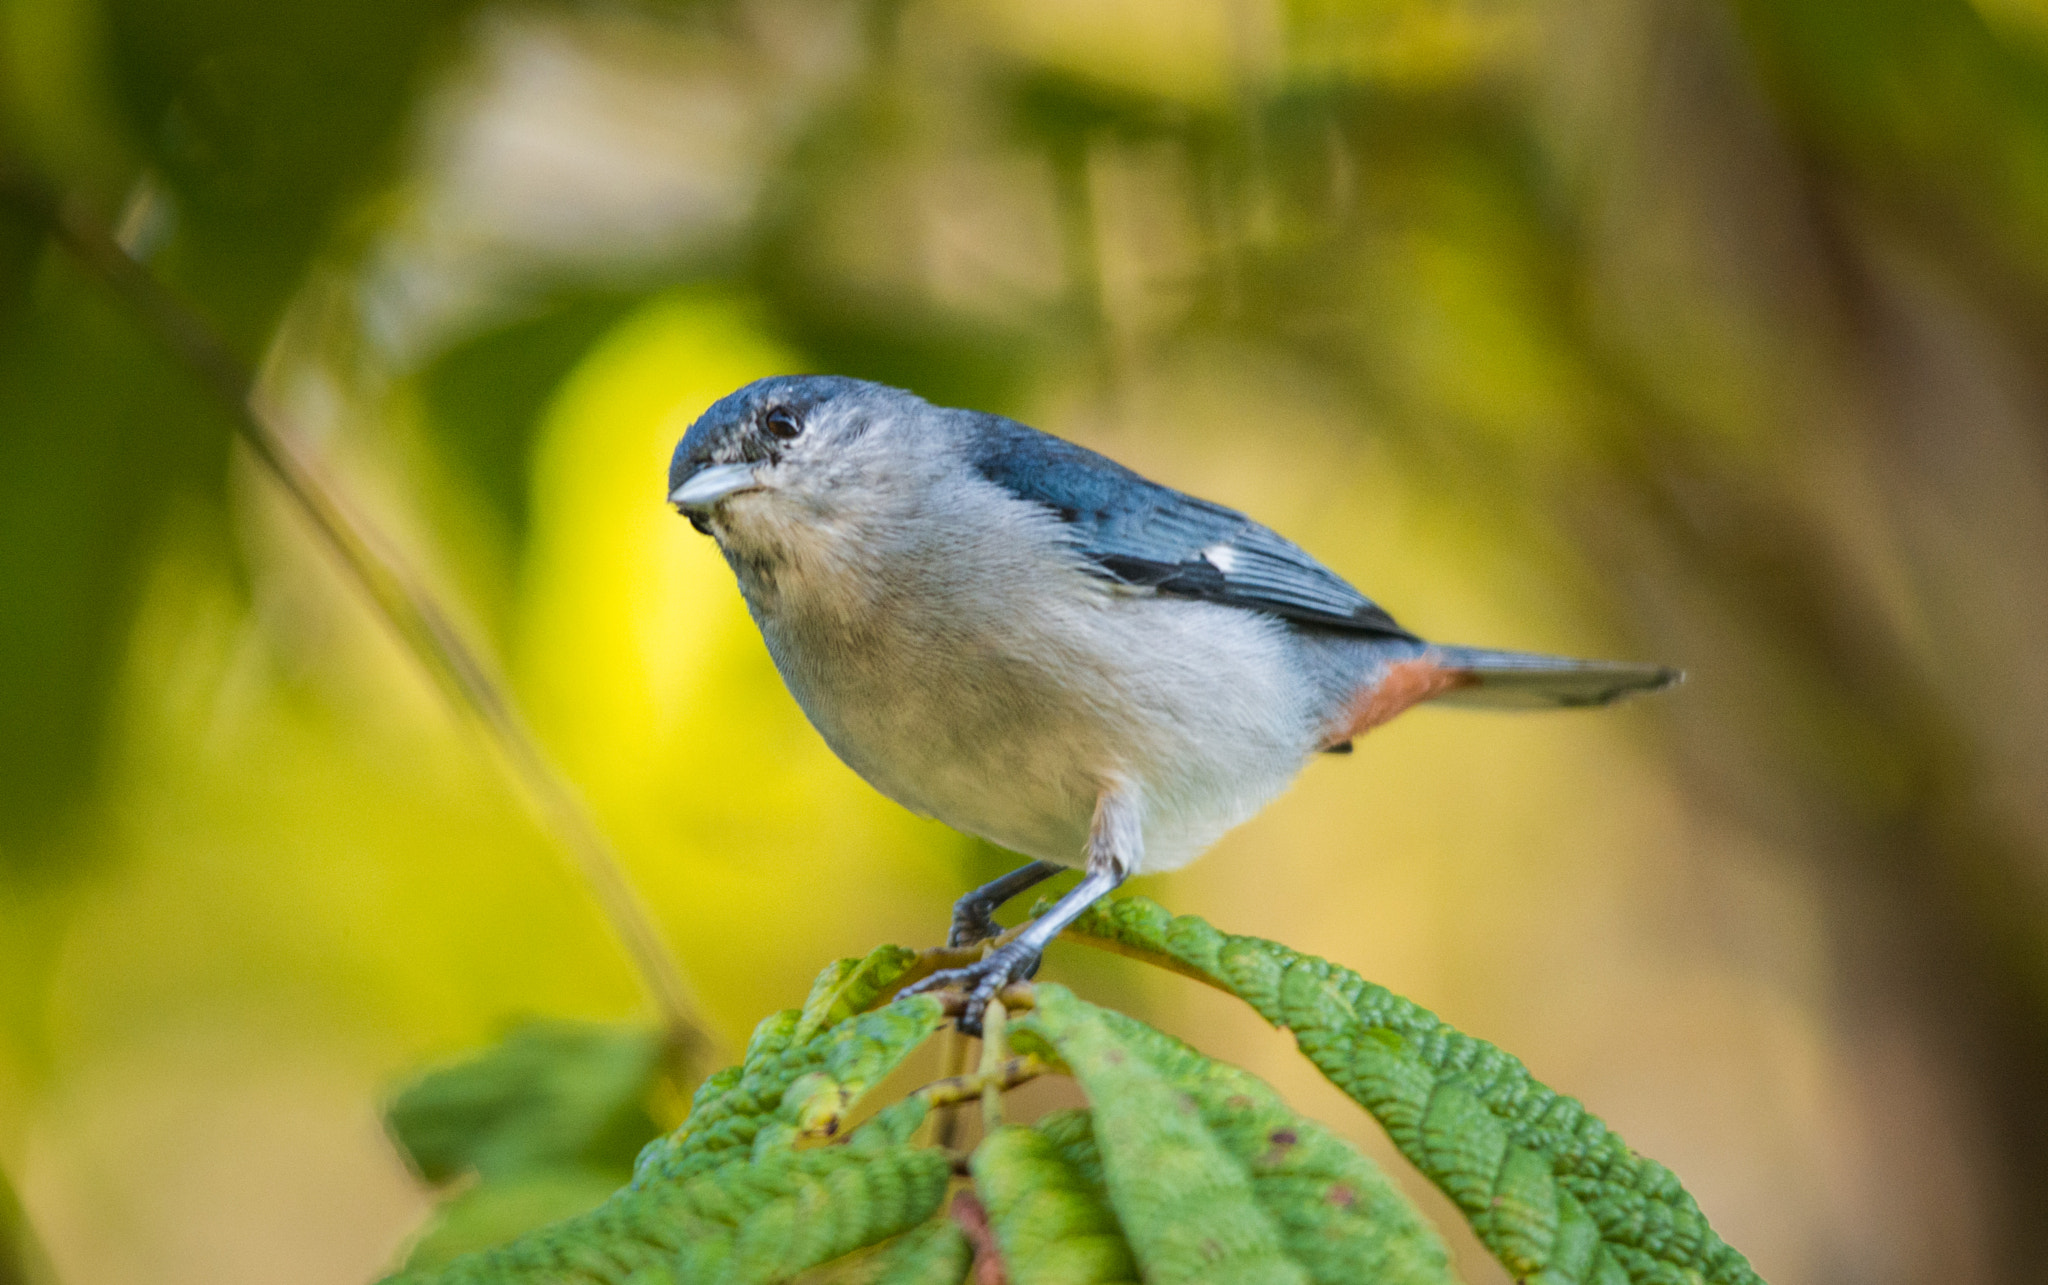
(1526, 680)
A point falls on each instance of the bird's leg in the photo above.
(1113, 845)
(971, 914)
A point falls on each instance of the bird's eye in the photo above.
(782, 422)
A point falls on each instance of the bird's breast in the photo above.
(953, 715)
(999, 688)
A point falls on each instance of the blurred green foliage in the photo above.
(549, 1094)
(1710, 332)
(544, 1125)
(106, 441)
(21, 1258)
(485, 396)
(254, 129)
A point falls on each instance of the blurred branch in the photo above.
(405, 603)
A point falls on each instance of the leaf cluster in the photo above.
(1179, 1169)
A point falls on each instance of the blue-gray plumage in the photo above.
(1141, 534)
(1036, 645)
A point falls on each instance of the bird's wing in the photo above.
(1144, 535)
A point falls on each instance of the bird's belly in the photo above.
(988, 753)
(1189, 707)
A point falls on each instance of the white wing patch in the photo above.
(1222, 557)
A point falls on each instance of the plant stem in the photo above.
(995, 1047)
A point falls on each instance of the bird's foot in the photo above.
(972, 924)
(982, 979)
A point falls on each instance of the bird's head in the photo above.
(788, 451)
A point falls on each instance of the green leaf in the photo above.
(851, 986)
(1054, 1223)
(550, 1095)
(495, 1212)
(787, 1090)
(819, 1205)
(756, 1220)
(1334, 1215)
(1073, 1132)
(1548, 1188)
(935, 1253)
(547, 1115)
(731, 1196)
(1187, 1210)
(1339, 1216)
(1182, 1169)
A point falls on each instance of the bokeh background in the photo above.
(1713, 333)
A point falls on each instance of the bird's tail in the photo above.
(1525, 680)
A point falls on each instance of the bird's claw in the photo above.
(981, 980)
(970, 927)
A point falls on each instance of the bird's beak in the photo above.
(708, 485)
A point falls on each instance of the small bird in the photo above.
(1034, 644)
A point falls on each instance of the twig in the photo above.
(1001, 1076)
(995, 1047)
(405, 603)
(945, 1103)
